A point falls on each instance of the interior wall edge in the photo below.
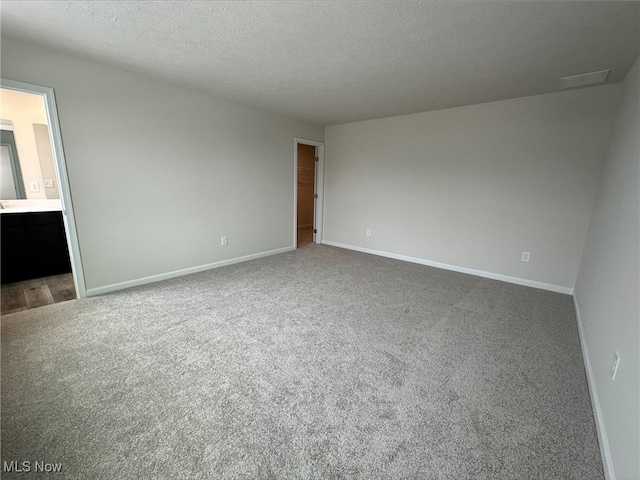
(455, 268)
(92, 292)
(603, 440)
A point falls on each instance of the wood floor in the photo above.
(36, 293)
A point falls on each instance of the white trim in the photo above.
(61, 176)
(605, 450)
(455, 268)
(319, 187)
(318, 219)
(185, 271)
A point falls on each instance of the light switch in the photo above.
(34, 186)
(48, 184)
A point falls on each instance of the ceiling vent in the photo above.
(584, 79)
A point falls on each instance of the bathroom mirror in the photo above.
(11, 183)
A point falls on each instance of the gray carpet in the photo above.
(321, 363)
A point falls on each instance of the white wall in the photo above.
(47, 163)
(474, 186)
(25, 109)
(159, 173)
(608, 286)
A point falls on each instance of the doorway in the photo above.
(306, 193)
(309, 170)
(38, 227)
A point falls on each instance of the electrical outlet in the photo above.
(34, 186)
(614, 367)
(526, 256)
(48, 184)
(368, 232)
(224, 240)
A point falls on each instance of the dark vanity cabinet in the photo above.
(34, 245)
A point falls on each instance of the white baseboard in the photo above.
(455, 268)
(178, 273)
(605, 451)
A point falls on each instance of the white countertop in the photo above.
(26, 206)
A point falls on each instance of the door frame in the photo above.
(319, 189)
(60, 165)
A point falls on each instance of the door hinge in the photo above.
(315, 230)
(315, 195)
(317, 159)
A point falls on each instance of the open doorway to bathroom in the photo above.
(36, 264)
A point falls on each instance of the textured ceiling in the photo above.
(338, 61)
